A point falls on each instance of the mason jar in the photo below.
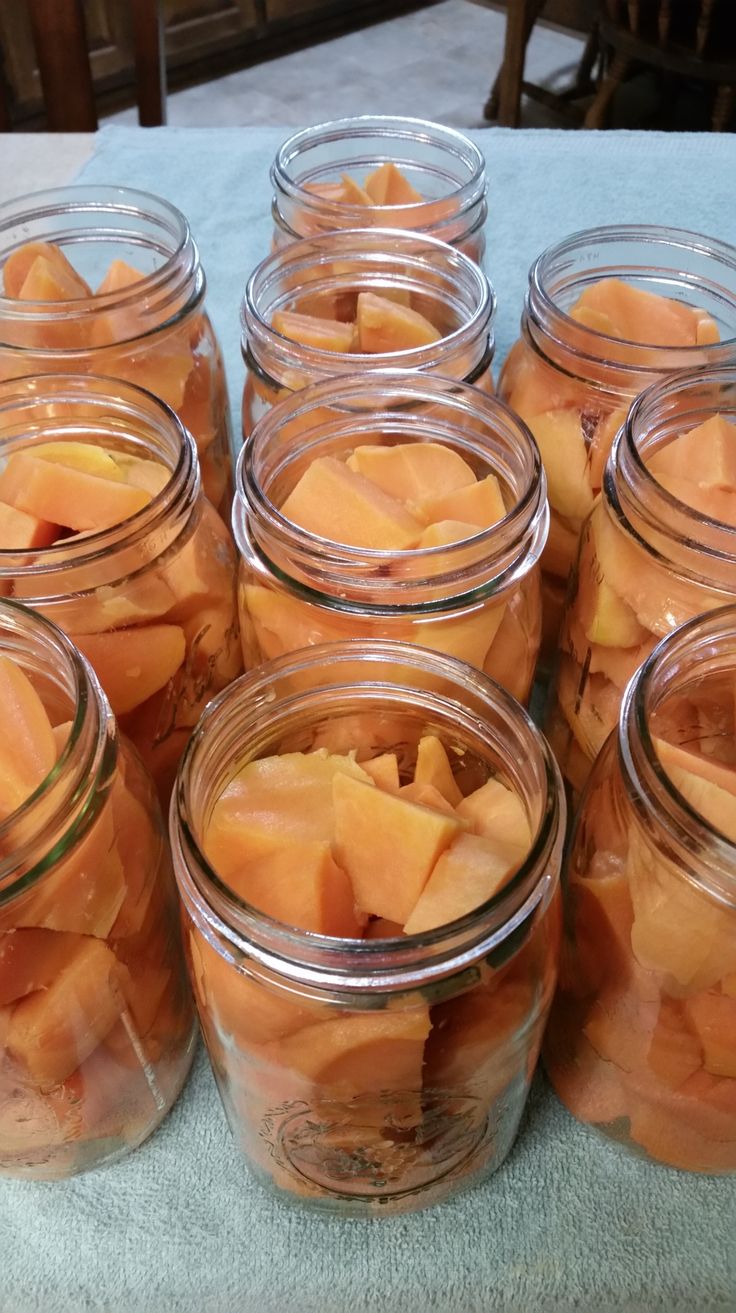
(96, 1022)
(642, 1041)
(324, 276)
(476, 598)
(374, 1075)
(573, 383)
(145, 322)
(445, 170)
(151, 601)
(648, 562)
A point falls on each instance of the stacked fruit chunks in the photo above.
(645, 1023)
(91, 986)
(371, 324)
(156, 635)
(626, 598)
(386, 185)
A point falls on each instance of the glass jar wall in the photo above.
(379, 1074)
(96, 1022)
(108, 281)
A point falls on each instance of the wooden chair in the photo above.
(64, 66)
(688, 38)
(504, 101)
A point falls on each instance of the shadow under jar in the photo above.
(149, 599)
(440, 190)
(376, 1075)
(658, 549)
(145, 322)
(642, 1040)
(324, 276)
(588, 348)
(472, 592)
(96, 1021)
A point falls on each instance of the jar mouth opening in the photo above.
(350, 964)
(101, 411)
(555, 276)
(708, 642)
(93, 219)
(479, 428)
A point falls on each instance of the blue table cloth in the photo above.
(568, 1222)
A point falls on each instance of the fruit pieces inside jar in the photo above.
(400, 498)
(575, 422)
(296, 837)
(625, 599)
(383, 186)
(642, 1040)
(181, 365)
(163, 639)
(95, 1018)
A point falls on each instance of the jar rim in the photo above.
(349, 965)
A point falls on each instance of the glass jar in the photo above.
(477, 599)
(647, 564)
(443, 166)
(96, 1022)
(438, 1031)
(150, 601)
(642, 1041)
(153, 332)
(442, 283)
(573, 384)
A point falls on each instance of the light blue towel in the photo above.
(568, 1223)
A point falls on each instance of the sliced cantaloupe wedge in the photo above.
(426, 795)
(119, 276)
(132, 664)
(384, 771)
(469, 636)
(677, 760)
(477, 503)
(636, 315)
(605, 618)
(496, 812)
(27, 745)
(150, 475)
(467, 874)
(351, 192)
(62, 495)
(52, 280)
(474, 1039)
(708, 786)
(272, 803)
(388, 846)
(712, 1017)
(334, 502)
(433, 767)
(411, 471)
(85, 456)
(706, 453)
(675, 1053)
(30, 959)
(387, 185)
(446, 532)
(714, 503)
(21, 532)
(301, 885)
(20, 261)
(250, 1012)
(283, 624)
(559, 436)
(323, 334)
(55, 1029)
(384, 326)
(358, 1054)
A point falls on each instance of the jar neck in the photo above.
(94, 226)
(670, 262)
(121, 418)
(36, 837)
(452, 290)
(444, 167)
(276, 708)
(684, 539)
(332, 419)
(701, 651)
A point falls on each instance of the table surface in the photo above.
(568, 1222)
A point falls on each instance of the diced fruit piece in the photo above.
(674, 1052)
(20, 261)
(496, 812)
(273, 802)
(713, 1018)
(468, 636)
(387, 846)
(27, 745)
(150, 475)
(679, 761)
(251, 1012)
(468, 873)
(446, 532)
(54, 1030)
(302, 886)
(22, 532)
(560, 439)
(285, 624)
(706, 452)
(433, 767)
(478, 503)
(387, 185)
(697, 785)
(132, 664)
(52, 280)
(411, 471)
(385, 326)
(353, 193)
(82, 502)
(384, 770)
(714, 503)
(336, 503)
(31, 959)
(605, 618)
(474, 1038)
(324, 334)
(590, 1088)
(118, 276)
(85, 456)
(426, 795)
(359, 1054)
(639, 316)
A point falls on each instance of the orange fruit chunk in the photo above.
(705, 455)
(21, 532)
(385, 326)
(387, 185)
(27, 744)
(63, 495)
(132, 664)
(358, 1053)
(496, 812)
(324, 334)
(20, 261)
(334, 502)
(384, 771)
(477, 503)
(411, 471)
(635, 315)
(301, 885)
(433, 767)
(467, 874)
(30, 959)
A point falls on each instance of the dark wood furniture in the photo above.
(504, 101)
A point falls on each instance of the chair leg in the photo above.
(63, 63)
(520, 20)
(150, 61)
(723, 108)
(596, 115)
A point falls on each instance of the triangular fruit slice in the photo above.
(470, 872)
(119, 276)
(19, 263)
(360, 1053)
(336, 503)
(53, 280)
(85, 456)
(384, 326)
(411, 471)
(387, 185)
(497, 812)
(323, 334)
(708, 786)
(79, 501)
(27, 744)
(706, 453)
(477, 503)
(446, 532)
(433, 767)
(639, 316)
(133, 664)
(302, 886)
(353, 193)
(384, 770)
(20, 532)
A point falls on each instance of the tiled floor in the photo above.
(437, 63)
